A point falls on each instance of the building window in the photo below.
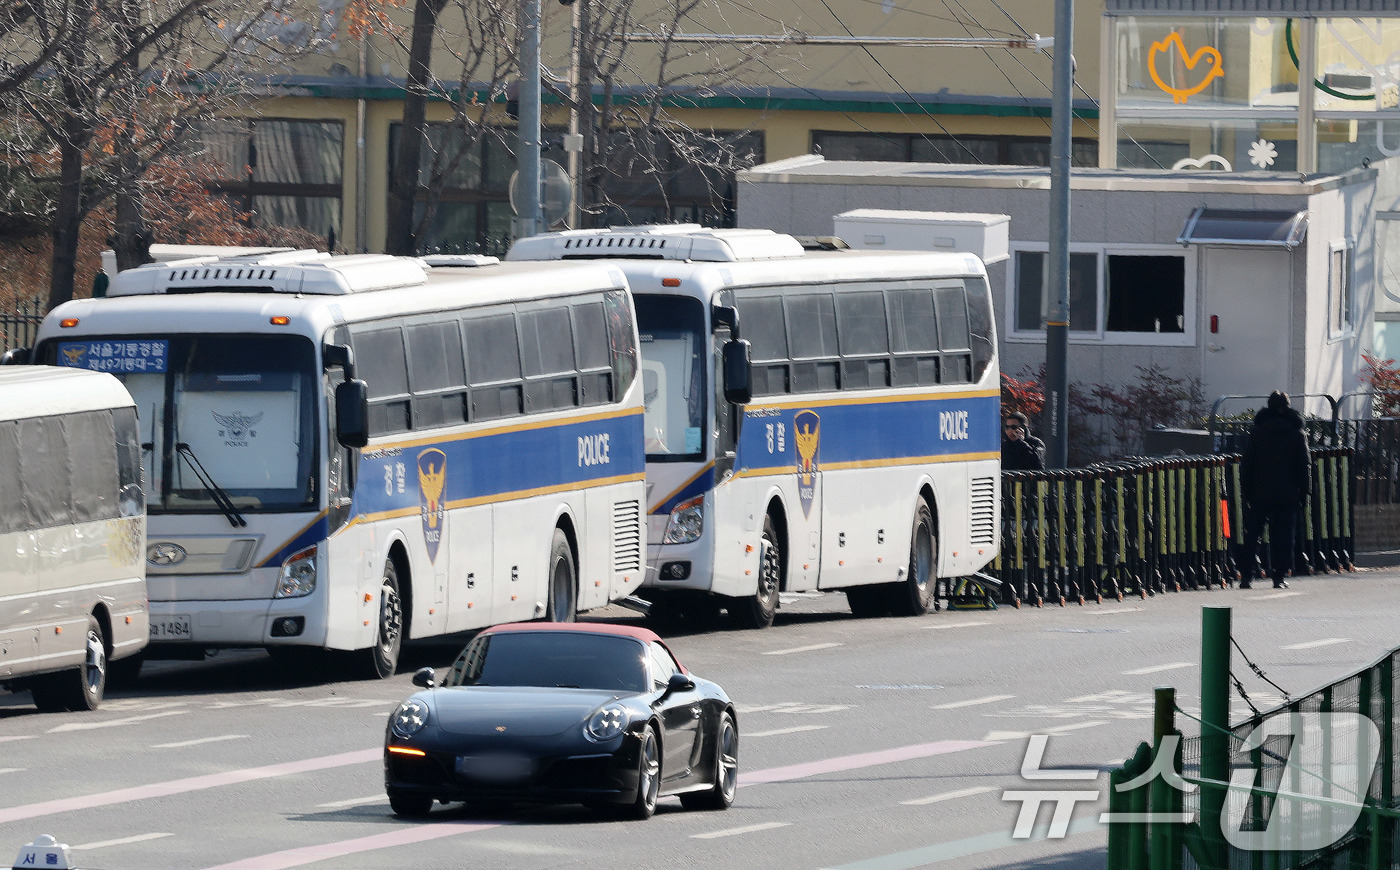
(1116, 295)
(286, 173)
(1340, 290)
(915, 148)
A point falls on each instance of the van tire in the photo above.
(79, 688)
(915, 595)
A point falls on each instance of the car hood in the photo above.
(515, 711)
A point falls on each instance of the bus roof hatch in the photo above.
(305, 272)
(659, 242)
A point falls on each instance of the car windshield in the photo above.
(552, 659)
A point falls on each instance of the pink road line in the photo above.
(312, 854)
(180, 786)
(856, 762)
(422, 833)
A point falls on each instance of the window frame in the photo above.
(1099, 334)
(1341, 313)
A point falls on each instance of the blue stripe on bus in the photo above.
(314, 533)
(855, 432)
(428, 474)
(701, 483)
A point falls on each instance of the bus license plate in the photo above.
(170, 627)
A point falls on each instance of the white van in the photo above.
(72, 534)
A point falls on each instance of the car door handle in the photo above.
(695, 712)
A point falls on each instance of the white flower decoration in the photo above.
(1262, 154)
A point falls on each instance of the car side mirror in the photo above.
(679, 683)
(18, 356)
(738, 386)
(352, 413)
(425, 678)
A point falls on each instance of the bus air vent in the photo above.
(660, 241)
(983, 513)
(293, 272)
(627, 536)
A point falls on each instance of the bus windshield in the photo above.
(225, 420)
(673, 374)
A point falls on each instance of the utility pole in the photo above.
(1056, 421)
(529, 220)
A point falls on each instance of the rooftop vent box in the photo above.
(986, 235)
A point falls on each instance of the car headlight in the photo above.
(298, 576)
(686, 523)
(410, 718)
(606, 723)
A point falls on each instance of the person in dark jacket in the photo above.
(1276, 476)
(1020, 450)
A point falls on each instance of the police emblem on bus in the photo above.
(75, 355)
(432, 478)
(237, 428)
(806, 426)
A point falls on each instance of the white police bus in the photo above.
(72, 529)
(860, 449)
(345, 452)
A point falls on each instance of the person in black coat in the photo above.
(1020, 450)
(1276, 476)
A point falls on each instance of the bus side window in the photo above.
(90, 439)
(914, 337)
(763, 326)
(811, 319)
(437, 374)
(493, 365)
(547, 359)
(865, 341)
(726, 432)
(982, 326)
(953, 335)
(12, 513)
(622, 334)
(44, 481)
(380, 361)
(594, 352)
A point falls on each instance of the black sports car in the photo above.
(596, 714)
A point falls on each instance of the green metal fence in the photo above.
(1146, 526)
(1355, 827)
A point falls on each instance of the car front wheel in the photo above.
(648, 776)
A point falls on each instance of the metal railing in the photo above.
(1152, 525)
(20, 324)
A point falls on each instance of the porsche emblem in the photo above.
(500, 727)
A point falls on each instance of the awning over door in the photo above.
(1254, 229)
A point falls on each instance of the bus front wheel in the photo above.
(383, 657)
(914, 596)
(757, 610)
(79, 688)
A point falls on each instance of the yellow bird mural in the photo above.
(431, 480)
(1214, 66)
(807, 448)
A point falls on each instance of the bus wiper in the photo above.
(221, 497)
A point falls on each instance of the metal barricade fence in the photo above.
(20, 325)
(1145, 526)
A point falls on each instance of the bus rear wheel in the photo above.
(757, 610)
(79, 688)
(562, 605)
(914, 596)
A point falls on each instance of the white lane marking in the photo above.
(13, 769)
(936, 627)
(200, 741)
(1114, 610)
(353, 802)
(948, 796)
(748, 829)
(1314, 644)
(994, 736)
(1273, 596)
(1158, 669)
(799, 649)
(990, 699)
(776, 731)
(139, 838)
(113, 723)
(23, 737)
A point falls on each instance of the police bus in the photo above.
(345, 452)
(72, 529)
(858, 448)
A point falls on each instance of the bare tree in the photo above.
(31, 32)
(123, 88)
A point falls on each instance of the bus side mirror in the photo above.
(18, 356)
(352, 413)
(738, 386)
